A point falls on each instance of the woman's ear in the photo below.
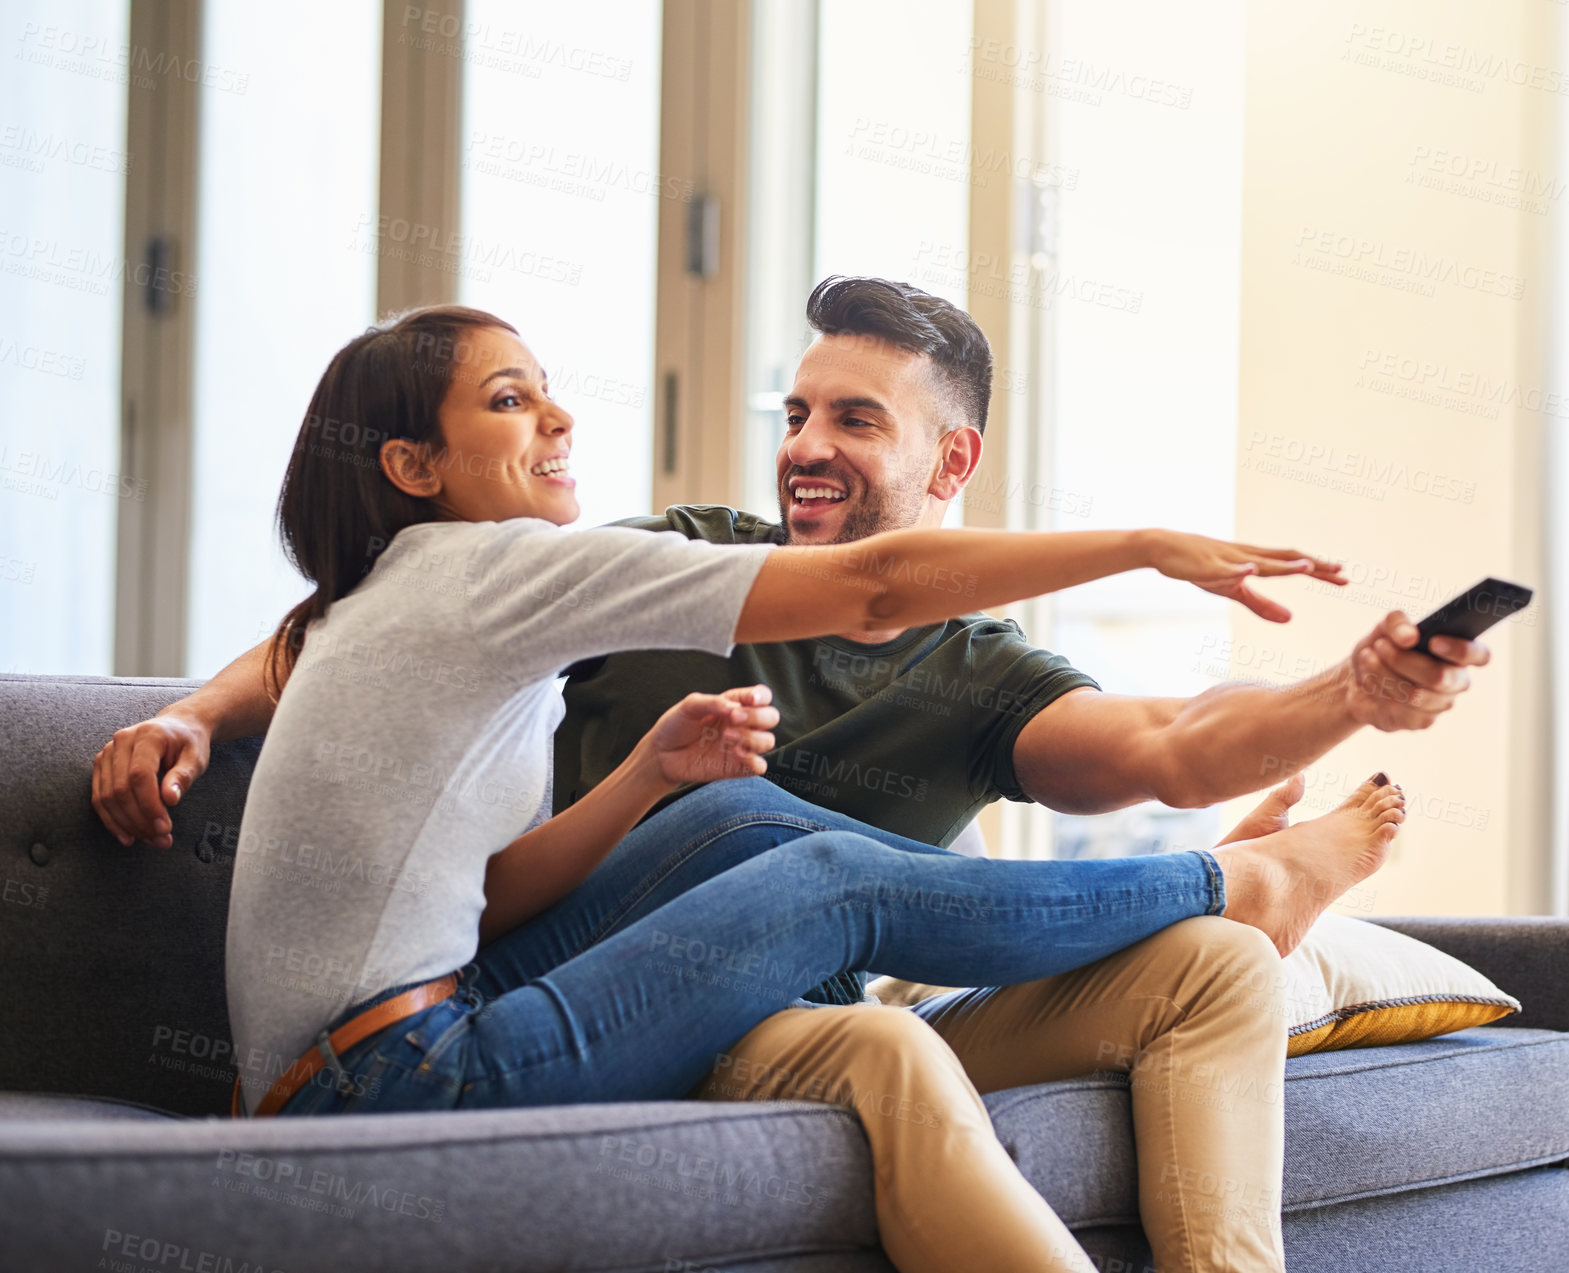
(408, 467)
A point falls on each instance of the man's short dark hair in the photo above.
(916, 321)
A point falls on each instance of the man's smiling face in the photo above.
(862, 444)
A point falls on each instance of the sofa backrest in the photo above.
(112, 957)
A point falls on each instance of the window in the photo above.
(893, 134)
(888, 177)
(1144, 293)
(285, 275)
(560, 194)
(62, 264)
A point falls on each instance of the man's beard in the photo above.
(896, 505)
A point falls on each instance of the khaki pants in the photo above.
(1193, 1014)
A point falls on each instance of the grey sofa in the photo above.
(116, 1152)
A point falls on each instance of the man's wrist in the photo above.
(1343, 691)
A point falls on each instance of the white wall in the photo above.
(1380, 299)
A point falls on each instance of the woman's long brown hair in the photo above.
(338, 510)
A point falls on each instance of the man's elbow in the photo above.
(1174, 783)
(1186, 796)
(884, 607)
(1082, 797)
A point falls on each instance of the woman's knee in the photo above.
(737, 797)
(829, 863)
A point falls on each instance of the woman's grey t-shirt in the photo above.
(412, 741)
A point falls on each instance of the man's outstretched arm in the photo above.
(1089, 752)
(145, 768)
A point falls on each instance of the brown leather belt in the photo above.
(387, 1012)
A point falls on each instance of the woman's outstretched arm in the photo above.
(904, 578)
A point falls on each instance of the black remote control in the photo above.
(1473, 611)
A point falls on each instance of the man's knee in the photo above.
(854, 1055)
(866, 1039)
(889, 1062)
(1237, 966)
(883, 1030)
(1207, 939)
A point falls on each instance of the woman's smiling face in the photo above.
(506, 443)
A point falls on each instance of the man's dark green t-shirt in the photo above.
(914, 735)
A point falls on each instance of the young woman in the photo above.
(380, 843)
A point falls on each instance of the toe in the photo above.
(1368, 792)
(1290, 791)
(1390, 800)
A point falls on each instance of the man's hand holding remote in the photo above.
(1391, 686)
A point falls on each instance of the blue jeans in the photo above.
(723, 824)
(717, 912)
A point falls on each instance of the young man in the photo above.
(885, 426)
(915, 731)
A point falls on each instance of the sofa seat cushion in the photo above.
(1495, 1224)
(1377, 1120)
(46, 1106)
(656, 1186)
(1359, 1123)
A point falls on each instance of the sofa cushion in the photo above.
(1500, 1224)
(39, 1106)
(1351, 984)
(1358, 1123)
(627, 1186)
(113, 956)
(1378, 1120)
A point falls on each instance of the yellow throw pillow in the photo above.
(1352, 984)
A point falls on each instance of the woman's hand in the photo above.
(1224, 568)
(709, 736)
(144, 768)
(701, 738)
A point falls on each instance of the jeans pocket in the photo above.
(412, 1064)
(443, 1035)
(419, 1063)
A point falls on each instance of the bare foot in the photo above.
(1273, 814)
(1283, 881)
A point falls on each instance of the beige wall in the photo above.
(1380, 316)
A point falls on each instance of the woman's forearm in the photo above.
(234, 703)
(542, 866)
(903, 578)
